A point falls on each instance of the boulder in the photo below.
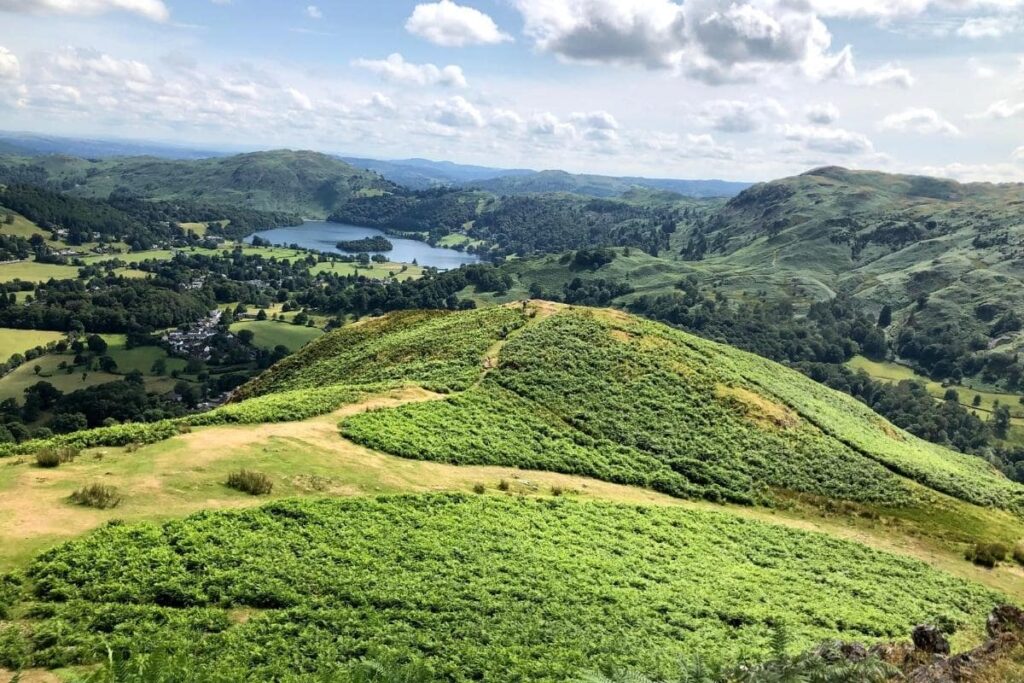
(930, 639)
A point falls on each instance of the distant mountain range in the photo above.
(416, 174)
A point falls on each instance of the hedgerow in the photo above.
(480, 587)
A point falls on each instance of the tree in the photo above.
(977, 400)
(885, 316)
(135, 377)
(245, 336)
(1000, 422)
(96, 343)
(107, 364)
(37, 369)
(159, 367)
(65, 423)
(262, 315)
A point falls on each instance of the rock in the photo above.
(1005, 619)
(930, 639)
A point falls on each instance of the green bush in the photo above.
(479, 489)
(987, 554)
(253, 483)
(100, 496)
(1018, 553)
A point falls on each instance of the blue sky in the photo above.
(738, 89)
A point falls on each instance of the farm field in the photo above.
(270, 334)
(30, 271)
(141, 358)
(18, 341)
(894, 372)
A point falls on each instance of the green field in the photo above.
(894, 372)
(18, 341)
(270, 333)
(476, 587)
(140, 358)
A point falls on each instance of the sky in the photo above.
(734, 89)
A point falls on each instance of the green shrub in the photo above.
(987, 554)
(479, 488)
(55, 456)
(1018, 553)
(253, 483)
(99, 496)
(503, 485)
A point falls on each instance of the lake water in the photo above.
(323, 236)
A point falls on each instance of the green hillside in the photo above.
(887, 240)
(614, 397)
(308, 183)
(477, 588)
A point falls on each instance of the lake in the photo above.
(323, 236)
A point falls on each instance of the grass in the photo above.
(894, 372)
(30, 271)
(14, 341)
(269, 333)
(140, 358)
(428, 577)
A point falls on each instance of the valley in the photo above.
(509, 393)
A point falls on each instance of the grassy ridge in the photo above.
(479, 587)
(634, 402)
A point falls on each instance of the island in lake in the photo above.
(366, 244)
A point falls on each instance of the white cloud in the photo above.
(450, 25)
(457, 112)
(902, 9)
(1003, 109)
(549, 126)
(921, 120)
(379, 104)
(598, 120)
(822, 114)
(314, 12)
(300, 99)
(737, 116)
(10, 67)
(86, 62)
(829, 140)
(155, 10)
(1018, 154)
(395, 68)
(506, 120)
(716, 41)
(888, 75)
(987, 27)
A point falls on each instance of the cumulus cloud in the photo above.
(10, 67)
(314, 12)
(1018, 154)
(395, 68)
(828, 140)
(450, 25)
(716, 41)
(921, 120)
(154, 10)
(902, 9)
(549, 126)
(822, 114)
(506, 120)
(737, 116)
(457, 112)
(888, 75)
(597, 120)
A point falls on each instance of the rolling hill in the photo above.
(541, 182)
(884, 239)
(303, 182)
(516, 582)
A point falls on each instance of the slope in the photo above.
(941, 254)
(607, 395)
(304, 182)
(602, 186)
(475, 587)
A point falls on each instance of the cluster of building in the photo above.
(194, 341)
